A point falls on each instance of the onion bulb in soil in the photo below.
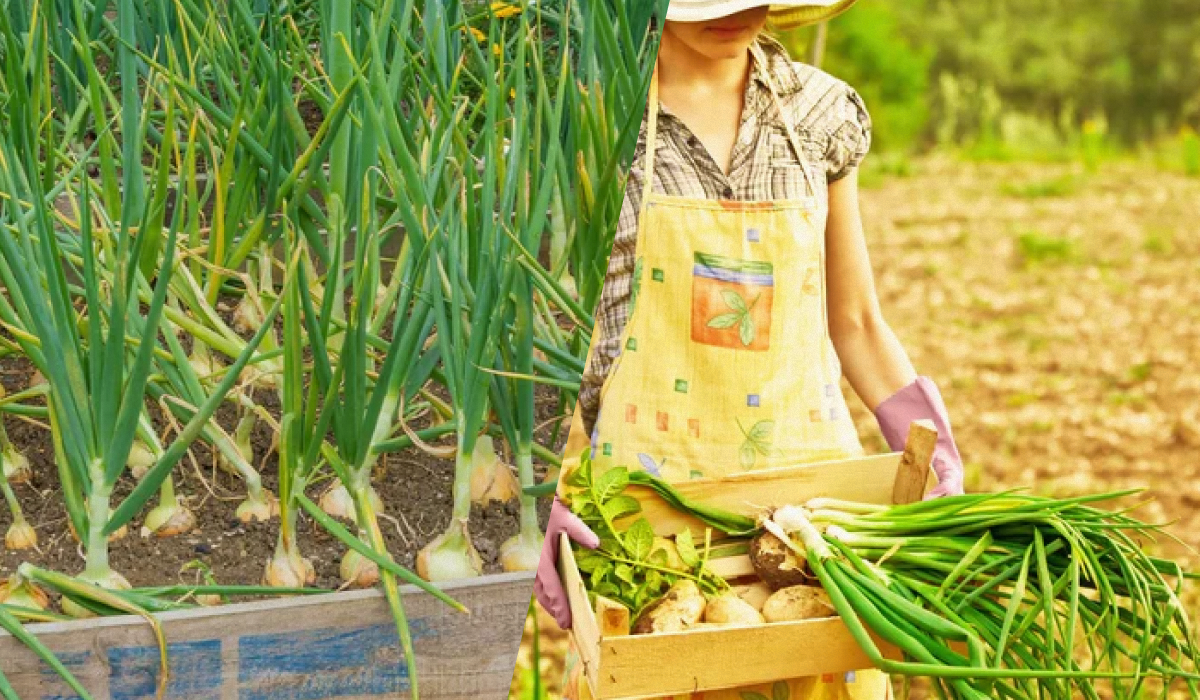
(170, 520)
(521, 552)
(20, 536)
(204, 363)
(358, 571)
(450, 556)
(16, 465)
(19, 592)
(141, 459)
(246, 318)
(491, 479)
(110, 580)
(260, 509)
(289, 570)
(336, 501)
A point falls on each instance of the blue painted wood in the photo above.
(341, 646)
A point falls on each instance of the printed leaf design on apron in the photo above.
(740, 316)
(759, 439)
(650, 465)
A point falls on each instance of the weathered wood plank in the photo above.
(339, 645)
(632, 667)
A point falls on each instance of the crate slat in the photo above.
(337, 645)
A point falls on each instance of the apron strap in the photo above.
(651, 137)
(760, 61)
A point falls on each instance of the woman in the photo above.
(739, 287)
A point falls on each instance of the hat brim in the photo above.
(782, 15)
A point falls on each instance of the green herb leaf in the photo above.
(639, 540)
(620, 506)
(610, 483)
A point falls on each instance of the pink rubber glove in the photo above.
(921, 399)
(546, 585)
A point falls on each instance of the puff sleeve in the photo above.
(849, 134)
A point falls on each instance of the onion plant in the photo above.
(98, 359)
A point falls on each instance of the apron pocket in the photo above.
(731, 302)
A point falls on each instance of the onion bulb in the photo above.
(20, 592)
(260, 509)
(170, 520)
(289, 571)
(491, 479)
(110, 580)
(141, 459)
(16, 465)
(449, 557)
(521, 553)
(20, 536)
(336, 501)
(358, 571)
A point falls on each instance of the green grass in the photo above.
(1035, 247)
(1064, 185)
(1159, 242)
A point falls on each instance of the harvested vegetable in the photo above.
(798, 603)
(630, 566)
(1056, 591)
(777, 564)
(680, 609)
(729, 609)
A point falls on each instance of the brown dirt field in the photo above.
(1060, 316)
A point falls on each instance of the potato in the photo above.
(777, 564)
(681, 608)
(754, 593)
(729, 609)
(798, 603)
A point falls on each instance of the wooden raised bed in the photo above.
(663, 664)
(337, 645)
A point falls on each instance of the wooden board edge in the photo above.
(585, 629)
(298, 603)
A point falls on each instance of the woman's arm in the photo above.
(872, 358)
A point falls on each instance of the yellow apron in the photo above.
(726, 364)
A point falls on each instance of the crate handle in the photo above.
(916, 463)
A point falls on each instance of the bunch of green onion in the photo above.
(1002, 595)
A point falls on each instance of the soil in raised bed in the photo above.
(414, 486)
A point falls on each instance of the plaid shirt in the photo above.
(830, 120)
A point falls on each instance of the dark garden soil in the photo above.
(415, 488)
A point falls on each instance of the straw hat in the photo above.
(787, 14)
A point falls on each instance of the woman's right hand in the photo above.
(547, 586)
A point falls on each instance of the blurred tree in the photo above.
(933, 70)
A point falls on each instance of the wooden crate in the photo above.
(654, 665)
(337, 645)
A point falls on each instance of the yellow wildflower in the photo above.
(503, 10)
(479, 36)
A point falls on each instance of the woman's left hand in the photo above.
(921, 399)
